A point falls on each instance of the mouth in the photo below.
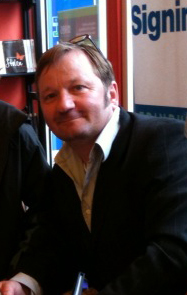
(66, 118)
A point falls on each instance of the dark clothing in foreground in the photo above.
(23, 169)
(138, 239)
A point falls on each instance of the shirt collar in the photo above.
(108, 134)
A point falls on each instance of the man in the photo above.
(120, 187)
(23, 169)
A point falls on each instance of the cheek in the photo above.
(47, 112)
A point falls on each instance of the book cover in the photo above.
(14, 54)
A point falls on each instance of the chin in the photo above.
(66, 134)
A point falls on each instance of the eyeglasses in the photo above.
(87, 40)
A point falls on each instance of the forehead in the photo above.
(72, 62)
(73, 67)
(75, 60)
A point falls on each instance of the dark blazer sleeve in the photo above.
(156, 168)
(32, 180)
(35, 169)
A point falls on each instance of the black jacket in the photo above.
(138, 239)
(23, 169)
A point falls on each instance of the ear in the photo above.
(113, 94)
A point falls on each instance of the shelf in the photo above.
(17, 74)
(7, 1)
(27, 3)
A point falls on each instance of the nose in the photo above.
(65, 101)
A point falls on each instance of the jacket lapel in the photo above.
(109, 174)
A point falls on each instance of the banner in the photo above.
(159, 31)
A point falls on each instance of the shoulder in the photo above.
(146, 123)
(28, 138)
(148, 119)
(27, 132)
(145, 131)
(10, 118)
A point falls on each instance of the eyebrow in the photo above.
(46, 90)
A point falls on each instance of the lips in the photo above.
(66, 118)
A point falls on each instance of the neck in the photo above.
(82, 150)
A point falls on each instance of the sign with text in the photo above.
(159, 53)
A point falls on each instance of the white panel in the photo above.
(43, 24)
(102, 26)
(130, 100)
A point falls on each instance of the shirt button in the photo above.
(88, 211)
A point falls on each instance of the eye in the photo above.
(79, 87)
(49, 97)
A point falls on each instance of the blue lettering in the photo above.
(167, 14)
(136, 20)
(184, 13)
(178, 15)
(154, 23)
(144, 19)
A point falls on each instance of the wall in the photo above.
(12, 89)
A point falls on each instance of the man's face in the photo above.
(73, 99)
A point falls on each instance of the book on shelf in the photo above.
(17, 56)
